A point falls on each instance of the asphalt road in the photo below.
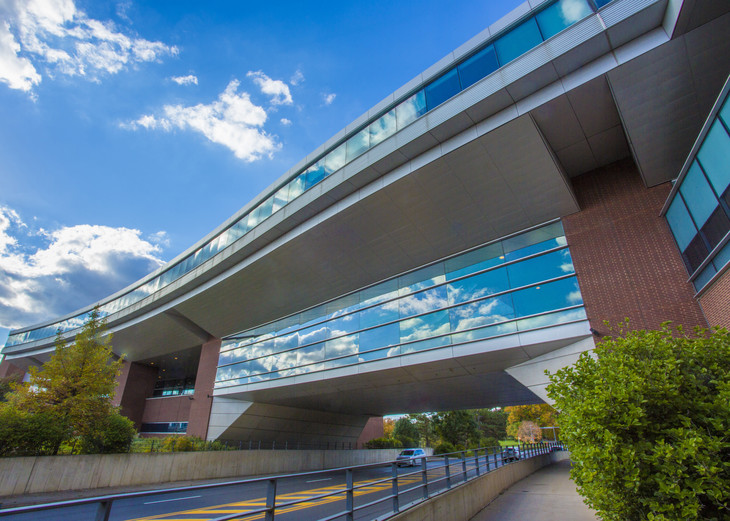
(372, 484)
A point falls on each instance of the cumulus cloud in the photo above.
(276, 89)
(57, 38)
(65, 269)
(297, 78)
(233, 121)
(328, 98)
(286, 122)
(190, 79)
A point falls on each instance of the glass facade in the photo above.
(164, 428)
(699, 212)
(516, 284)
(497, 52)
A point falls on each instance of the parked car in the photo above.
(510, 454)
(410, 457)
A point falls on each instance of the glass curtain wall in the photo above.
(497, 52)
(699, 213)
(517, 284)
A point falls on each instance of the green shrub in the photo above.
(177, 444)
(114, 435)
(647, 422)
(383, 443)
(444, 448)
(30, 434)
(405, 441)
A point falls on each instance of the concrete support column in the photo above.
(373, 429)
(135, 384)
(203, 397)
(9, 369)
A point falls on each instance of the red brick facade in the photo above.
(624, 254)
(204, 381)
(715, 302)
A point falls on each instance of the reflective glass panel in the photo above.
(336, 159)
(265, 208)
(288, 341)
(423, 302)
(429, 343)
(698, 195)
(547, 297)
(310, 355)
(540, 236)
(722, 257)
(253, 218)
(704, 277)
(411, 109)
(725, 112)
(358, 144)
(714, 154)
(281, 197)
(474, 261)
(601, 3)
(680, 223)
(442, 88)
(478, 66)
(340, 348)
(313, 334)
(383, 128)
(478, 286)
(425, 326)
(560, 15)
(344, 325)
(518, 41)
(551, 319)
(315, 174)
(296, 186)
(421, 279)
(379, 337)
(536, 269)
(482, 313)
(381, 314)
(379, 293)
(485, 332)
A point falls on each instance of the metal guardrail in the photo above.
(474, 461)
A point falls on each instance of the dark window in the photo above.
(442, 89)
(716, 227)
(478, 66)
(695, 253)
(164, 428)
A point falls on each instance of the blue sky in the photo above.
(130, 129)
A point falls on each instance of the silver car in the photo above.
(410, 457)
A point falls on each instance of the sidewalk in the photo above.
(547, 495)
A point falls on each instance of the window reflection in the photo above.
(561, 15)
(423, 302)
(411, 109)
(482, 313)
(358, 144)
(383, 128)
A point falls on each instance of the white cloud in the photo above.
(297, 78)
(65, 269)
(233, 121)
(328, 98)
(277, 89)
(190, 79)
(286, 122)
(57, 37)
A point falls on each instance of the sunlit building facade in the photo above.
(476, 227)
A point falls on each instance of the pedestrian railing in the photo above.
(398, 490)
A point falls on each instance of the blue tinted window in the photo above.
(442, 89)
(482, 313)
(547, 297)
(336, 159)
(387, 312)
(281, 197)
(382, 128)
(551, 319)
(423, 302)
(477, 260)
(714, 155)
(315, 174)
(478, 66)
(344, 325)
(518, 41)
(478, 286)
(485, 332)
(560, 15)
(310, 355)
(358, 144)
(265, 208)
(704, 276)
(411, 109)
(725, 112)
(680, 223)
(548, 266)
(697, 194)
(601, 3)
(380, 337)
(425, 326)
(421, 279)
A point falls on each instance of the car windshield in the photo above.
(406, 453)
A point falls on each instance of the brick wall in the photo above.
(204, 381)
(715, 302)
(624, 254)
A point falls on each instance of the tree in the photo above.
(388, 426)
(542, 414)
(492, 423)
(406, 432)
(646, 420)
(456, 427)
(529, 432)
(424, 424)
(76, 386)
(6, 386)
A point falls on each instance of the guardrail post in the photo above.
(394, 487)
(103, 511)
(424, 477)
(270, 500)
(476, 462)
(448, 471)
(486, 457)
(463, 465)
(350, 500)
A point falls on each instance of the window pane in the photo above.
(344, 325)
(421, 279)
(313, 334)
(265, 208)
(698, 195)
(382, 128)
(680, 223)
(310, 355)
(704, 277)
(716, 227)
(411, 109)
(482, 313)
(601, 3)
(424, 327)
(379, 293)
(376, 315)
(551, 319)
(478, 286)
(478, 66)
(714, 155)
(548, 266)
(380, 337)
(341, 347)
(423, 302)
(518, 41)
(560, 15)
(474, 261)
(547, 297)
(429, 343)
(336, 159)
(541, 236)
(358, 144)
(695, 253)
(281, 197)
(725, 112)
(485, 332)
(296, 186)
(722, 257)
(442, 89)
(315, 174)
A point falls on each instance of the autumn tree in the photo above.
(542, 414)
(529, 432)
(74, 389)
(647, 420)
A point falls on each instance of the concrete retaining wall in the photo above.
(465, 501)
(56, 473)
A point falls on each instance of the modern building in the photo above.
(474, 228)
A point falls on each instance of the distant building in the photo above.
(474, 228)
